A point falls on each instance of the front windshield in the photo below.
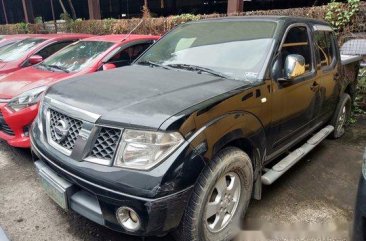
(19, 49)
(77, 56)
(235, 49)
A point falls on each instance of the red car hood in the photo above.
(29, 78)
(8, 67)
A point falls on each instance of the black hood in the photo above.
(140, 95)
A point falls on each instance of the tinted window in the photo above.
(324, 42)
(53, 48)
(297, 42)
(19, 49)
(236, 49)
(128, 55)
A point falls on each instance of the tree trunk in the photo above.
(5, 15)
(63, 7)
(73, 13)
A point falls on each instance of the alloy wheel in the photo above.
(223, 202)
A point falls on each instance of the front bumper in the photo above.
(16, 125)
(158, 216)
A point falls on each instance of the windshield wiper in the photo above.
(150, 63)
(198, 69)
(59, 68)
(43, 66)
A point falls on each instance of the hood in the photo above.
(140, 96)
(9, 67)
(25, 79)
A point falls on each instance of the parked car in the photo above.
(7, 40)
(182, 139)
(359, 224)
(20, 91)
(33, 50)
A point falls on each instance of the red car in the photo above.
(20, 91)
(33, 50)
(6, 40)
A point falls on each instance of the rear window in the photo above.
(19, 49)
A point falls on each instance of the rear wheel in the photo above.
(220, 198)
(341, 116)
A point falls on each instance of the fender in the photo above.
(239, 128)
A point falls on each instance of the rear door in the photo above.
(326, 60)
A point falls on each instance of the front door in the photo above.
(295, 102)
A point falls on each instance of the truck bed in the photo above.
(347, 59)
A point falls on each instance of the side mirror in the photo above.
(109, 66)
(294, 66)
(35, 59)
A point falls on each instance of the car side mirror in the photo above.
(294, 66)
(35, 59)
(109, 66)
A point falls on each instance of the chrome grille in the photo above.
(74, 128)
(106, 144)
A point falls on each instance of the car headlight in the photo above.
(144, 149)
(28, 98)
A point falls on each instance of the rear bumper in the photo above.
(158, 216)
(16, 125)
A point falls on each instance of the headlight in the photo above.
(144, 149)
(28, 98)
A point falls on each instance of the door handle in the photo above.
(315, 87)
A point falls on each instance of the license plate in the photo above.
(56, 193)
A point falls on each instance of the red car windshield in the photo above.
(19, 50)
(77, 56)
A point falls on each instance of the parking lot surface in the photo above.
(321, 188)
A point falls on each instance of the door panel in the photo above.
(295, 102)
(294, 108)
(326, 49)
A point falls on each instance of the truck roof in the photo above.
(274, 18)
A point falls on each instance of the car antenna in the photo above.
(133, 30)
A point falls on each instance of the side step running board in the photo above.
(285, 164)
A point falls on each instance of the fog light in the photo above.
(128, 218)
(26, 131)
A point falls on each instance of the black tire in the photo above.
(194, 225)
(341, 116)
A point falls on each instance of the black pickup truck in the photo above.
(184, 138)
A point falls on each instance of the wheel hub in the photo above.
(223, 202)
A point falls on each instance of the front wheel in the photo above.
(341, 116)
(220, 198)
